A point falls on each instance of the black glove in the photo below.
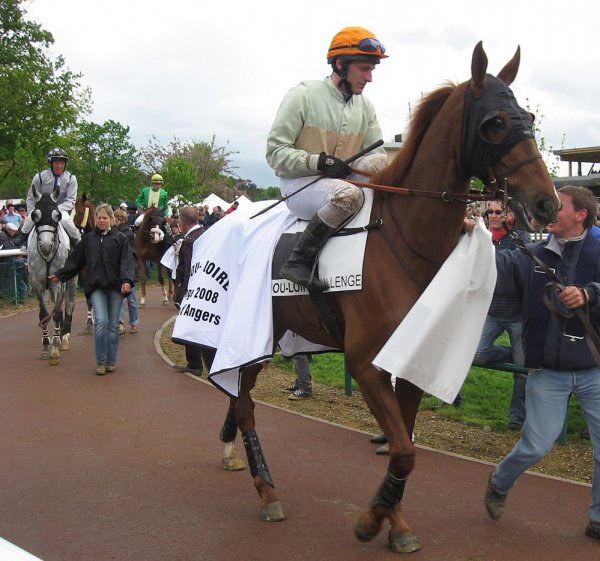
(333, 167)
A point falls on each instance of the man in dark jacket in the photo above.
(557, 356)
(191, 230)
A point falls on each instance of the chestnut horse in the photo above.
(475, 128)
(150, 246)
(84, 218)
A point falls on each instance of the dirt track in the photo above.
(127, 467)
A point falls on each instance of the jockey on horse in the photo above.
(57, 177)
(320, 124)
(153, 196)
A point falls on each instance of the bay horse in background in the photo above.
(48, 249)
(84, 218)
(150, 246)
(475, 128)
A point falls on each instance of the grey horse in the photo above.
(48, 251)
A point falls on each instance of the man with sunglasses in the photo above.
(504, 314)
(319, 124)
(557, 355)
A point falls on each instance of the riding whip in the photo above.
(351, 159)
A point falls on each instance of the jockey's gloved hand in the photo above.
(332, 166)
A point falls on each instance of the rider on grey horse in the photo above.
(46, 182)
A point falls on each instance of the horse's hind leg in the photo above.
(143, 277)
(161, 280)
(271, 509)
(227, 435)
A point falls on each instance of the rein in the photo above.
(591, 337)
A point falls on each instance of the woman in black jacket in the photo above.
(110, 273)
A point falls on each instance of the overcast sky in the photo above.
(192, 69)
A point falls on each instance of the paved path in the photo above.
(126, 467)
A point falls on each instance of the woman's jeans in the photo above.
(547, 398)
(107, 306)
(134, 316)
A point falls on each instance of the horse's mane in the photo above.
(427, 110)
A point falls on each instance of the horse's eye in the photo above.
(36, 215)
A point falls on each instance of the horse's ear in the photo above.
(509, 72)
(37, 196)
(55, 193)
(479, 64)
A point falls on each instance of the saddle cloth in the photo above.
(228, 305)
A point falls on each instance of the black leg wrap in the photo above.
(230, 428)
(390, 493)
(256, 460)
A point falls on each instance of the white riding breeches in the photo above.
(334, 200)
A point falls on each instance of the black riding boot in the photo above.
(299, 266)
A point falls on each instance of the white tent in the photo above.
(213, 200)
(243, 200)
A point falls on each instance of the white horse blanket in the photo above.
(228, 302)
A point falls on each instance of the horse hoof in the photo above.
(273, 512)
(361, 532)
(233, 464)
(403, 543)
(44, 355)
(54, 360)
(165, 303)
(65, 345)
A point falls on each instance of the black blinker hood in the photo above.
(477, 154)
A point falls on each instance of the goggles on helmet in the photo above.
(367, 45)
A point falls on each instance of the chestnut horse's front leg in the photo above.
(397, 425)
(271, 508)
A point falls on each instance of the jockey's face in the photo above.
(359, 75)
(156, 186)
(58, 167)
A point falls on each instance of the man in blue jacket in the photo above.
(557, 356)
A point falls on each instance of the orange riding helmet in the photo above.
(356, 43)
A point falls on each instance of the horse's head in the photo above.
(498, 144)
(46, 218)
(154, 224)
(84, 217)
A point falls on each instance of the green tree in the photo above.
(105, 161)
(212, 167)
(41, 98)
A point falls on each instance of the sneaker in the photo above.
(592, 530)
(299, 394)
(291, 389)
(494, 501)
(121, 328)
(101, 369)
(133, 329)
(188, 369)
(383, 450)
(110, 368)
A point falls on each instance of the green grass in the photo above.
(486, 393)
